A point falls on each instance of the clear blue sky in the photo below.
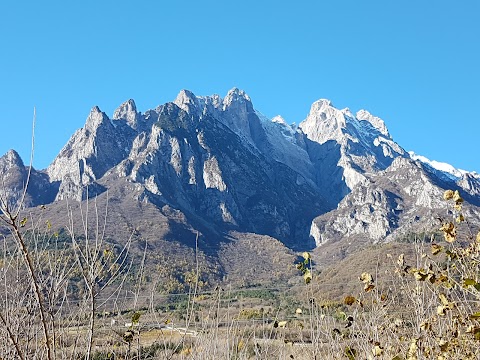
(416, 64)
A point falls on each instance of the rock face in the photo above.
(405, 198)
(196, 163)
(225, 166)
(344, 147)
(14, 177)
(93, 150)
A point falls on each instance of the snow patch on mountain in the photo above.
(444, 167)
(279, 120)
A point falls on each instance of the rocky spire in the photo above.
(377, 123)
(127, 112)
(324, 123)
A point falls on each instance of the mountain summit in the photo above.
(221, 166)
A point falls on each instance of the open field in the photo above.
(70, 296)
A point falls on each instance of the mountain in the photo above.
(218, 166)
(343, 147)
(14, 180)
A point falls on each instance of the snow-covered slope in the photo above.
(469, 181)
(443, 167)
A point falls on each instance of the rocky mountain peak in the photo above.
(12, 158)
(187, 101)
(324, 122)
(237, 98)
(354, 146)
(95, 119)
(14, 176)
(127, 112)
(377, 123)
(279, 120)
(321, 104)
(347, 113)
(235, 111)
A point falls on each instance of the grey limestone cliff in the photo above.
(225, 166)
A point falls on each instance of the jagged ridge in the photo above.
(226, 166)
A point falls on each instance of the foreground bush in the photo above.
(429, 309)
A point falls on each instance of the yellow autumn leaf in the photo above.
(448, 194)
(436, 249)
(377, 350)
(426, 326)
(349, 300)
(307, 276)
(441, 310)
(457, 198)
(447, 227)
(443, 299)
(366, 278)
(420, 275)
(282, 324)
(412, 350)
(306, 256)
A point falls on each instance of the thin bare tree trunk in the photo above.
(35, 283)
